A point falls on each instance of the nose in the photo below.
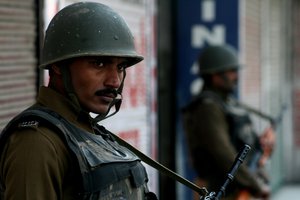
(113, 77)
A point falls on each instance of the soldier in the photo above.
(217, 129)
(55, 149)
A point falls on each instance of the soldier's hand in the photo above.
(264, 194)
(267, 141)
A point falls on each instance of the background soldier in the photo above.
(55, 149)
(217, 128)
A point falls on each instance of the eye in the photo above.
(97, 63)
(122, 66)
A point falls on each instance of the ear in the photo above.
(56, 69)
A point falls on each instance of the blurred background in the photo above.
(170, 34)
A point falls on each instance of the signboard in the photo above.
(199, 23)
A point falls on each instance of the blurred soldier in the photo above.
(217, 128)
(55, 149)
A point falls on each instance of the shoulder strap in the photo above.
(34, 117)
(44, 114)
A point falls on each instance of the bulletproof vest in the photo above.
(109, 171)
(242, 132)
(240, 126)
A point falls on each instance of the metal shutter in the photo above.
(17, 57)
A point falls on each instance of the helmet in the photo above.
(218, 58)
(87, 29)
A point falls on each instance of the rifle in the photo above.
(201, 191)
(273, 120)
(238, 161)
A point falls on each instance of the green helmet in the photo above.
(87, 29)
(218, 58)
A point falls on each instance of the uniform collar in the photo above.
(223, 95)
(64, 107)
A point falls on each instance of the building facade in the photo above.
(265, 32)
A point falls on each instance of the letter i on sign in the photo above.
(208, 13)
(200, 33)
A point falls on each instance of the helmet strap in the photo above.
(69, 87)
(116, 103)
(72, 96)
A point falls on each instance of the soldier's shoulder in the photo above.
(202, 101)
(28, 124)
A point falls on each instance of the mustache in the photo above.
(107, 91)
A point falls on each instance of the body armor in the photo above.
(242, 132)
(109, 171)
(240, 127)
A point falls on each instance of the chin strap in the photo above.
(69, 87)
(117, 103)
(70, 92)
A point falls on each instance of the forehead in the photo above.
(228, 71)
(104, 58)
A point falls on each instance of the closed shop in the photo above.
(17, 57)
(267, 79)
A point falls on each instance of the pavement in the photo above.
(287, 192)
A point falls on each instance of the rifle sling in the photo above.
(202, 191)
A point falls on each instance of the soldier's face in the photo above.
(229, 80)
(96, 80)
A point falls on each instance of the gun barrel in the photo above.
(238, 161)
(257, 112)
